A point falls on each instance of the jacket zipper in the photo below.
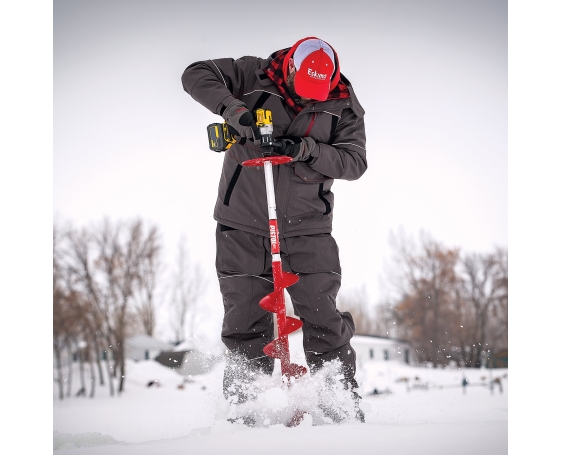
(310, 126)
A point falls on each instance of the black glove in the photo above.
(298, 148)
(240, 121)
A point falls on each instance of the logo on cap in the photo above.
(316, 75)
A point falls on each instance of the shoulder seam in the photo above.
(221, 75)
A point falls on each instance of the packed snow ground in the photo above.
(416, 411)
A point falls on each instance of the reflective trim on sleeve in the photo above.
(223, 80)
(349, 143)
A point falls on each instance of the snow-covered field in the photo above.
(416, 411)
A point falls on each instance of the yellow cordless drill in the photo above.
(264, 121)
(220, 139)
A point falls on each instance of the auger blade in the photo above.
(295, 371)
(296, 418)
(287, 279)
(291, 325)
(272, 302)
(277, 348)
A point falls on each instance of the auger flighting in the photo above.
(274, 302)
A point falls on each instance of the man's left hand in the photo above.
(298, 148)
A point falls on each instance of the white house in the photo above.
(144, 347)
(188, 359)
(368, 348)
(380, 349)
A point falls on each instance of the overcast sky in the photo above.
(431, 76)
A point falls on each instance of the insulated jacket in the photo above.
(304, 200)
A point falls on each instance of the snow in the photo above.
(416, 410)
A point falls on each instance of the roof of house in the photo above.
(186, 345)
(147, 342)
(369, 339)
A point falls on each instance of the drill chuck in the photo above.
(266, 135)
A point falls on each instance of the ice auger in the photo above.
(274, 302)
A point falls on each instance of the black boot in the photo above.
(239, 374)
(328, 402)
(347, 356)
(352, 385)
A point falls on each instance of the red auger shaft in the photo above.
(274, 302)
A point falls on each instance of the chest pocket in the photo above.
(334, 122)
(323, 131)
(322, 127)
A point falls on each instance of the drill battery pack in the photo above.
(219, 137)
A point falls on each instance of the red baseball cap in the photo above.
(315, 63)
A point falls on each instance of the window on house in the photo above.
(407, 356)
(371, 353)
(386, 354)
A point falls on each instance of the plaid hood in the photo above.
(277, 71)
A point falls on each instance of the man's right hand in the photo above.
(241, 121)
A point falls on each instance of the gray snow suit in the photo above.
(305, 206)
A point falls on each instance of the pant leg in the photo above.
(244, 269)
(241, 259)
(327, 332)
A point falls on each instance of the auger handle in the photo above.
(274, 160)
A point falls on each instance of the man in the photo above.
(320, 124)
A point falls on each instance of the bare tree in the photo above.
(479, 296)
(123, 254)
(66, 317)
(498, 332)
(86, 338)
(188, 286)
(426, 279)
(449, 306)
(62, 328)
(486, 294)
(108, 264)
(83, 264)
(145, 291)
(59, 320)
